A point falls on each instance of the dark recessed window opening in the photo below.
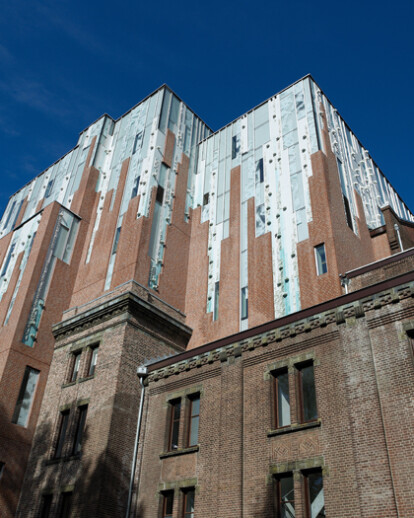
(307, 393)
(320, 256)
(314, 497)
(63, 426)
(285, 496)
(194, 420)
(175, 410)
(188, 504)
(80, 428)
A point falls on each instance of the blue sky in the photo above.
(64, 63)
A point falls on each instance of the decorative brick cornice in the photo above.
(338, 315)
(126, 306)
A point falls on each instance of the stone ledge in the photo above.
(182, 451)
(294, 428)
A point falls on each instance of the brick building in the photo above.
(214, 261)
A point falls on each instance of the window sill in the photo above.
(70, 384)
(49, 462)
(294, 428)
(87, 378)
(182, 451)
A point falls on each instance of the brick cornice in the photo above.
(128, 305)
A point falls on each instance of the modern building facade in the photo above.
(214, 260)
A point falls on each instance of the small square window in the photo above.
(320, 257)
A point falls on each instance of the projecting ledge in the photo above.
(294, 428)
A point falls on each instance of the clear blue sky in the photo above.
(64, 63)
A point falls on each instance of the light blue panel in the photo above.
(287, 108)
(260, 220)
(290, 139)
(261, 135)
(298, 197)
(294, 159)
(302, 225)
(261, 115)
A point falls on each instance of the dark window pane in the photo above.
(45, 506)
(194, 421)
(189, 504)
(160, 194)
(80, 426)
(244, 303)
(65, 505)
(64, 419)
(168, 504)
(282, 399)
(308, 394)
(94, 359)
(216, 300)
(348, 213)
(174, 425)
(116, 240)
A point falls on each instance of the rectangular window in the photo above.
(63, 426)
(8, 259)
(244, 303)
(160, 194)
(116, 240)
(281, 398)
(194, 420)
(314, 499)
(76, 364)
(167, 504)
(80, 427)
(188, 503)
(216, 300)
(235, 147)
(94, 359)
(320, 256)
(259, 171)
(2, 464)
(285, 496)
(348, 212)
(25, 399)
(65, 505)
(45, 506)
(138, 142)
(135, 187)
(206, 199)
(175, 409)
(49, 187)
(307, 393)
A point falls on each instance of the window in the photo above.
(45, 506)
(194, 420)
(244, 303)
(49, 188)
(188, 503)
(94, 359)
(160, 194)
(63, 426)
(320, 256)
(307, 393)
(65, 505)
(80, 427)
(135, 187)
(216, 300)
(175, 408)
(26, 394)
(167, 504)
(206, 198)
(116, 240)
(8, 259)
(348, 212)
(314, 499)
(281, 398)
(259, 171)
(75, 369)
(285, 504)
(2, 464)
(138, 141)
(235, 146)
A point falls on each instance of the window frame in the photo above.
(65, 504)
(173, 420)
(64, 417)
(279, 501)
(165, 496)
(186, 491)
(300, 392)
(306, 491)
(321, 268)
(2, 469)
(20, 398)
(46, 501)
(275, 383)
(82, 412)
(76, 358)
(93, 359)
(191, 399)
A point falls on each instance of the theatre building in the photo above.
(208, 324)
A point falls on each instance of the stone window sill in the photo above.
(294, 428)
(62, 459)
(181, 451)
